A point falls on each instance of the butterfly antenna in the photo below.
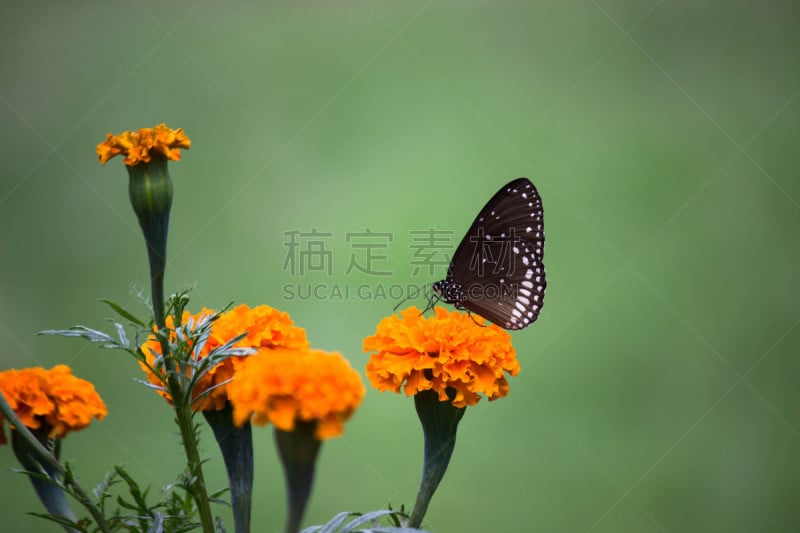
(401, 302)
(433, 299)
(407, 298)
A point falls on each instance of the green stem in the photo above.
(439, 426)
(236, 446)
(183, 409)
(43, 455)
(195, 465)
(150, 192)
(159, 315)
(298, 450)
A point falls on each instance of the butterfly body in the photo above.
(497, 271)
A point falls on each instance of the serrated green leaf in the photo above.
(123, 337)
(393, 530)
(149, 385)
(89, 334)
(367, 517)
(333, 525)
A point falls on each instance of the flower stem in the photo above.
(48, 461)
(184, 419)
(236, 445)
(197, 482)
(439, 424)
(298, 451)
(50, 490)
(150, 192)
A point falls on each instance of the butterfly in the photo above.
(497, 271)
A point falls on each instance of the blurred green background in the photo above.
(658, 389)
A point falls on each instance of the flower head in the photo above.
(449, 350)
(286, 386)
(53, 401)
(266, 328)
(139, 146)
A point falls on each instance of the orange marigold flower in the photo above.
(283, 386)
(138, 147)
(448, 350)
(265, 326)
(52, 400)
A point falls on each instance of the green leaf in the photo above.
(393, 530)
(335, 524)
(60, 520)
(158, 524)
(100, 490)
(123, 313)
(124, 504)
(372, 516)
(123, 337)
(89, 334)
